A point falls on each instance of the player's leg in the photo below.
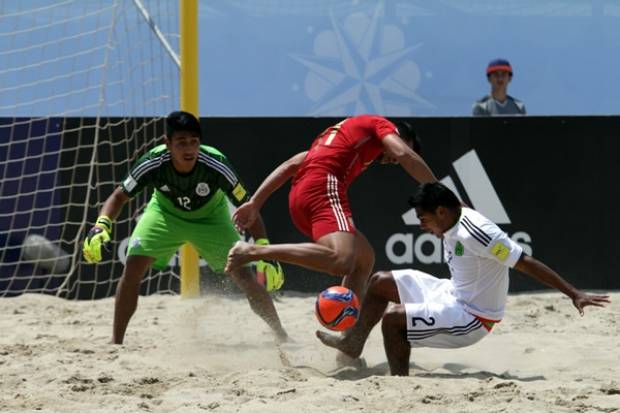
(127, 292)
(357, 279)
(397, 347)
(319, 208)
(153, 242)
(213, 238)
(381, 291)
(429, 315)
(333, 254)
(260, 301)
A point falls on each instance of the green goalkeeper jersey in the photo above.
(212, 176)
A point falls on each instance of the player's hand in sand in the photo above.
(245, 216)
(582, 300)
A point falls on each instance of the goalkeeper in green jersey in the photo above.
(190, 182)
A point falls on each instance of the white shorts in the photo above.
(434, 317)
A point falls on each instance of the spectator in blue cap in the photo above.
(498, 102)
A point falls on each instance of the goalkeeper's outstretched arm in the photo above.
(114, 204)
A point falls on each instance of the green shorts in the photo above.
(161, 231)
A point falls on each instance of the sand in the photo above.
(213, 354)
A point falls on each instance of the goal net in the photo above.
(84, 88)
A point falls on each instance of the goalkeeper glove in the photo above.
(269, 273)
(99, 235)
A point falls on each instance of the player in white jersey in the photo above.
(447, 313)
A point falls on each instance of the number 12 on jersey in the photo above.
(184, 201)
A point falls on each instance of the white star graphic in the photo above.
(362, 66)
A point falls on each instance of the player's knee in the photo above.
(342, 266)
(394, 319)
(381, 282)
(135, 268)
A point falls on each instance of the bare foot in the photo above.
(342, 360)
(281, 337)
(237, 256)
(346, 344)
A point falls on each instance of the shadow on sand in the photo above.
(455, 371)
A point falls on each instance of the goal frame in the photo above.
(190, 275)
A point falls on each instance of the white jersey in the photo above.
(479, 254)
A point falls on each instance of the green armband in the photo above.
(261, 241)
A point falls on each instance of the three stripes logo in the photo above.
(425, 248)
(475, 232)
(477, 186)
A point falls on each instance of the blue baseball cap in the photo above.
(499, 65)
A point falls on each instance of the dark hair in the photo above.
(405, 130)
(432, 195)
(181, 121)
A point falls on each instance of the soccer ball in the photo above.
(337, 308)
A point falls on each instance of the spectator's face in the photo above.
(499, 79)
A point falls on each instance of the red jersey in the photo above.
(347, 148)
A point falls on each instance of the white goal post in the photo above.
(84, 87)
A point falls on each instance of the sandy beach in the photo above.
(213, 354)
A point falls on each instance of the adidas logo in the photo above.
(165, 188)
(477, 186)
(425, 248)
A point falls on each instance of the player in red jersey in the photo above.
(318, 201)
